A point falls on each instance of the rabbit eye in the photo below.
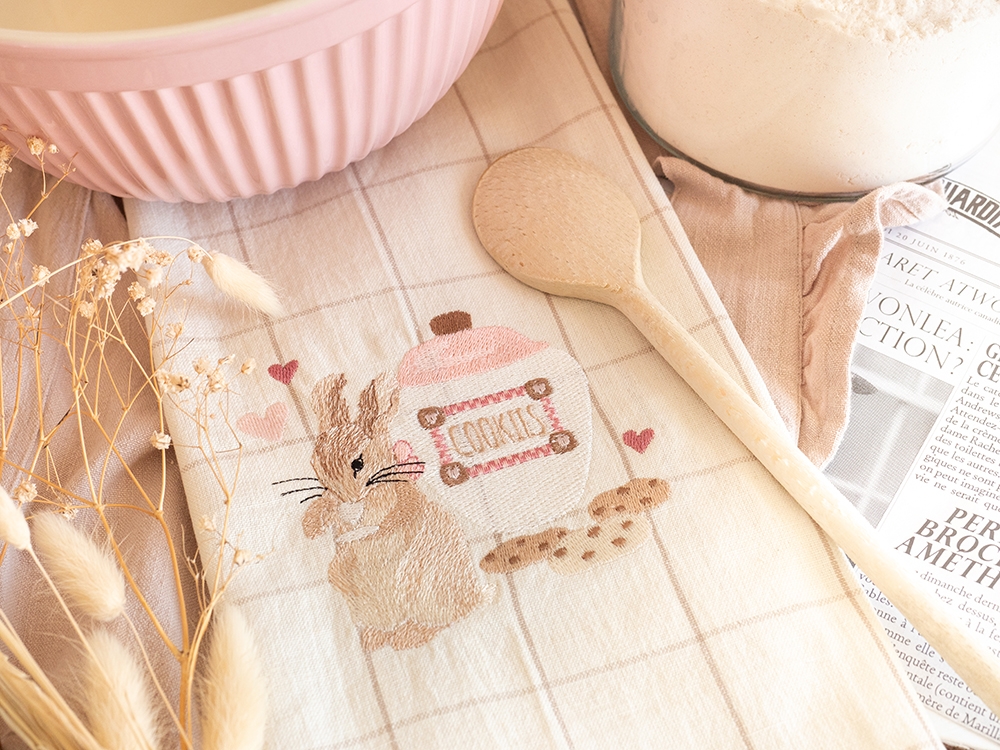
(357, 465)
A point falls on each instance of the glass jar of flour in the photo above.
(817, 98)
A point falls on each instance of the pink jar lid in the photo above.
(458, 350)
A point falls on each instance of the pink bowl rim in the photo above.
(189, 53)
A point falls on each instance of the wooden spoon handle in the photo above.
(967, 654)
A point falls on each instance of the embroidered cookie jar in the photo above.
(502, 421)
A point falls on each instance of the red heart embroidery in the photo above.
(638, 441)
(284, 373)
(270, 426)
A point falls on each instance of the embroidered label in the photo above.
(496, 431)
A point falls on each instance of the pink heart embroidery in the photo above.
(406, 459)
(270, 426)
(283, 373)
(638, 441)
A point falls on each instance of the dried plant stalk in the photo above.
(233, 692)
(80, 319)
(31, 705)
(118, 699)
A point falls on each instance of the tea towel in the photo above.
(475, 515)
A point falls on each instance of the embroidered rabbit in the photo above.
(401, 562)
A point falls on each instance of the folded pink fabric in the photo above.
(794, 278)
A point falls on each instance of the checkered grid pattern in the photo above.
(737, 626)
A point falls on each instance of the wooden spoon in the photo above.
(557, 224)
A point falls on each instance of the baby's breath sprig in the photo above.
(114, 290)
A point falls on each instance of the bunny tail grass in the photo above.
(13, 528)
(83, 572)
(237, 281)
(117, 696)
(233, 693)
(31, 706)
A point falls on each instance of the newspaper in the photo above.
(920, 456)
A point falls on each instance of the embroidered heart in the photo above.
(638, 441)
(407, 459)
(270, 426)
(283, 373)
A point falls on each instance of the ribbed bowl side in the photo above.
(259, 132)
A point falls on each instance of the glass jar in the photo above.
(800, 99)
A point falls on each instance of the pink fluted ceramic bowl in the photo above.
(238, 105)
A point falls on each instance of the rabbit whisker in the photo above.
(391, 467)
(301, 489)
(311, 497)
(385, 481)
(403, 472)
(297, 479)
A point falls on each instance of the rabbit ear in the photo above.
(328, 402)
(377, 405)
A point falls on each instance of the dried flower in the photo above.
(160, 258)
(160, 441)
(27, 227)
(67, 510)
(13, 231)
(136, 290)
(173, 382)
(8, 248)
(145, 306)
(233, 692)
(107, 279)
(126, 255)
(53, 149)
(237, 281)
(173, 330)
(240, 557)
(40, 275)
(201, 365)
(35, 145)
(13, 528)
(87, 310)
(249, 366)
(195, 254)
(84, 572)
(25, 492)
(6, 155)
(153, 276)
(91, 247)
(206, 524)
(216, 380)
(117, 696)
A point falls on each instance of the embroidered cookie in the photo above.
(522, 551)
(582, 549)
(635, 497)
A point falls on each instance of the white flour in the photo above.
(819, 97)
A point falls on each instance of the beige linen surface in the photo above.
(793, 276)
(68, 217)
(736, 625)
